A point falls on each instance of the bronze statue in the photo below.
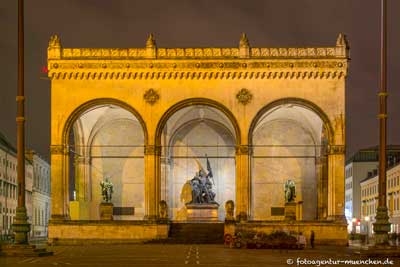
(290, 191)
(202, 186)
(106, 190)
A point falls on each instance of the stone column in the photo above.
(336, 183)
(152, 172)
(81, 183)
(243, 182)
(59, 188)
(322, 174)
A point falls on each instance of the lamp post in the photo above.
(367, 224)
(382, 225)
(21, 227)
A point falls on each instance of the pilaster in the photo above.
(336, 160)
(59, 189)
(243, 182)
(152, 181)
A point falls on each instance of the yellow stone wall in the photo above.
(154, 82)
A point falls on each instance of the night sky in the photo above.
(190, 23)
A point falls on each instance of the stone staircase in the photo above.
(196, 233)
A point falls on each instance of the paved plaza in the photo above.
(148, 255)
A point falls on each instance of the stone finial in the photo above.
(244, 42)
(151, 42)
(54, 41)
(342, 40)
(244, 47)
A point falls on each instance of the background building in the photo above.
(358, 167)
(8, 186)
(37, 188)
(369, 198)
(40, 194)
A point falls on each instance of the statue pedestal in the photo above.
(106, 211)
(202, 212)
(290, 211)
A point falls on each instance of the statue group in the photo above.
(202, 183)
(106, 190)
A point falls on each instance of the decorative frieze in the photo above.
(194, 75)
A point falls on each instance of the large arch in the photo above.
(83, 163)
(289, 132)
(180, 122)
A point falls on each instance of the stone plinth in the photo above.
(202, 212)
(290, 211)
(106, 211)
(105, 232)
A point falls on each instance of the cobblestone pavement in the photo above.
(148, 255)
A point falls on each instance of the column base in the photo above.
(151, 218)
(21, 227)
(381, 226)
(242, 217)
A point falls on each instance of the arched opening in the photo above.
(289, 141)
(188, 137)
(106, 140)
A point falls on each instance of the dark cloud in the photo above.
(183, 23)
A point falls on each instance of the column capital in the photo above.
(81, 160)
(58, 149)
(243, 150)
(336, 149)
(152, 150)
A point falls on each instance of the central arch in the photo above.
(188, 132)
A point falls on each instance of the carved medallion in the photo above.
(151, 96)
(244, 96)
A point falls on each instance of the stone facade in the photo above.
(146, 117)
(369, 200)
(41, 203)
(8, 186)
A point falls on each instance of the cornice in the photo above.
(242, 62)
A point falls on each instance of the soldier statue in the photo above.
(106, 190)
(290, 191)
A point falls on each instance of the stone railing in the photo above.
(193, 53)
